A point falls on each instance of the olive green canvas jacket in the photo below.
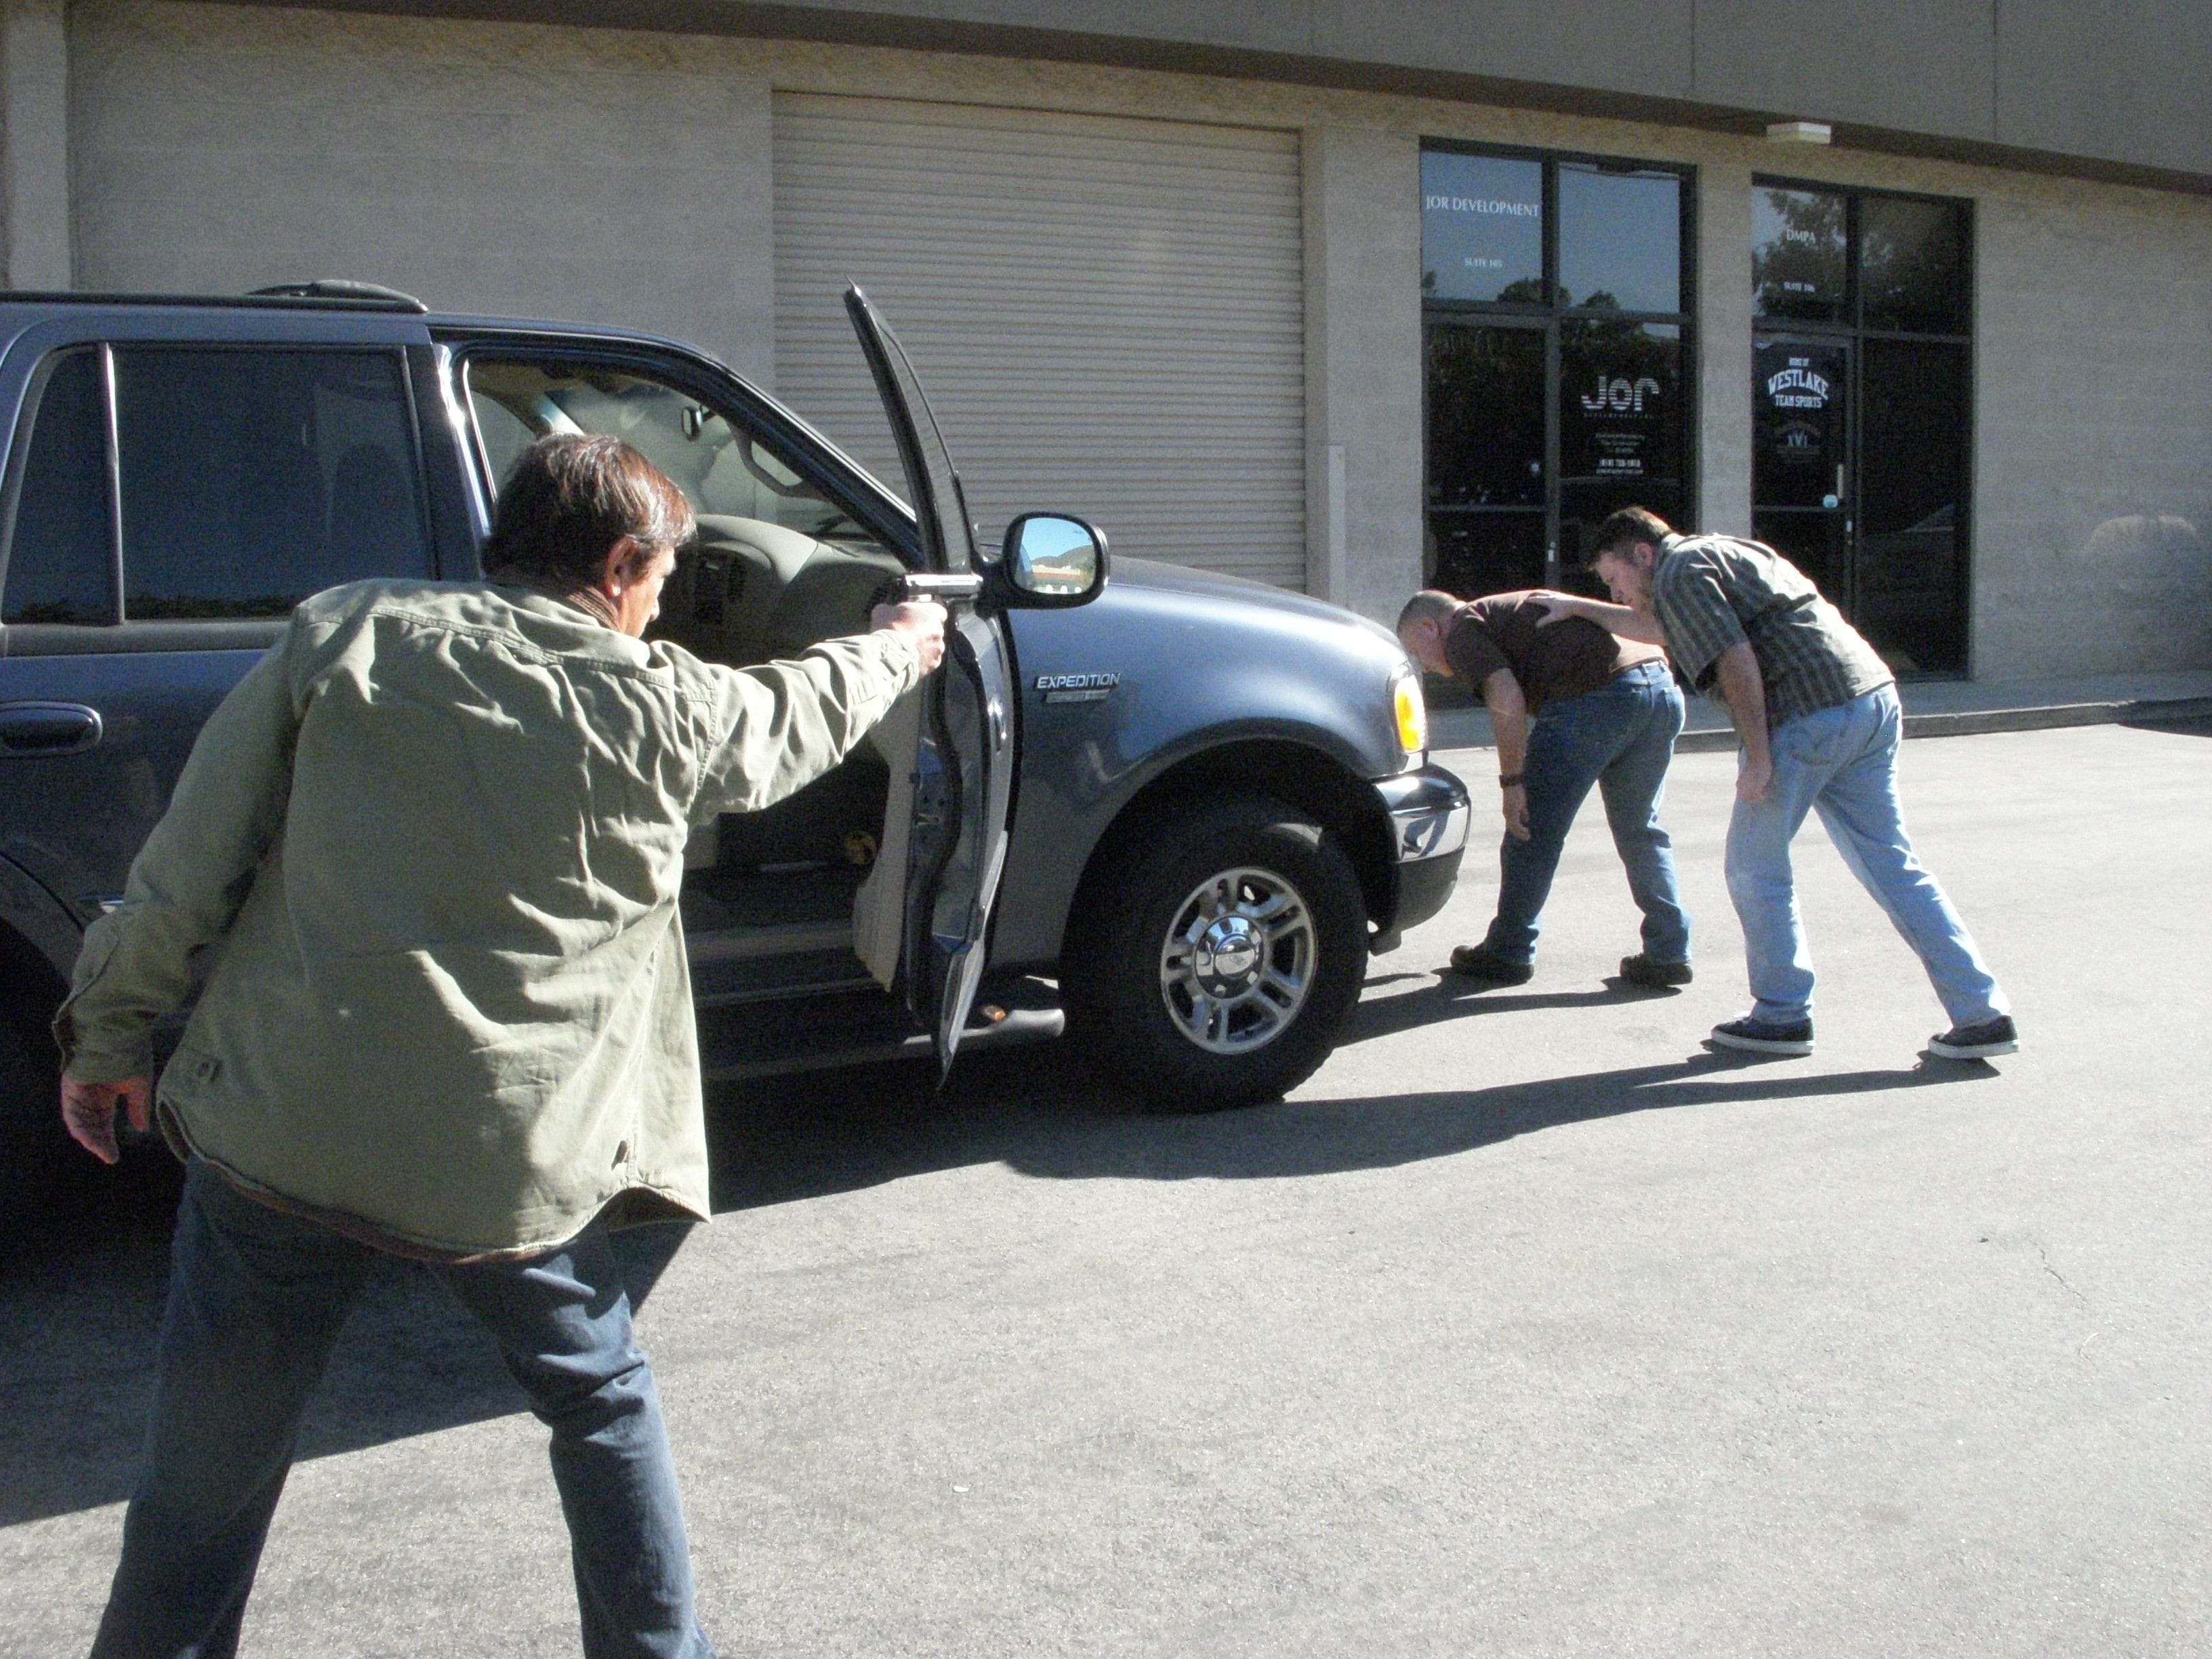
(431, 845)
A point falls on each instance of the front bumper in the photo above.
(1429, 813)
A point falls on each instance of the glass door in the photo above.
(1862, 407)
(1909, 588)
(1801, 458)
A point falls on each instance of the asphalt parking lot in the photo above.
(1526, 1327)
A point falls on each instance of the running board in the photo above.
(1015, 1025)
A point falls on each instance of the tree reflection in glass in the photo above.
(1797, 254)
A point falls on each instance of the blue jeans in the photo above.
(1620, 737)
(256, 1299)
(1842, 763)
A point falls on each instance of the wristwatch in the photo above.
(1510, 780)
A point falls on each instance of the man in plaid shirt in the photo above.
(1817, 714)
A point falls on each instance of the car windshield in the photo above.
(724, 470)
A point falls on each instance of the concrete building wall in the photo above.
(34, 147)
(626, 177)
(1363, 440)
(2094, 430)
(589, 175)
(2120, 83)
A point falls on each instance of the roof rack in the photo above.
(339, 289)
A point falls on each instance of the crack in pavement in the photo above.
(2043, 1256)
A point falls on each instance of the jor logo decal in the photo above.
(1621, 395)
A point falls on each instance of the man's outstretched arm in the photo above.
(1614, 619)
(778, 725)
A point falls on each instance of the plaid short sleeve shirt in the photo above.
(1712, 592)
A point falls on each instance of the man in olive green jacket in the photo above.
(433, 842)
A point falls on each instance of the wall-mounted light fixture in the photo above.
(1799, 132)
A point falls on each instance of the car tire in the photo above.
(1217, 952)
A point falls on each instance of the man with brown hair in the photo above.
(437, 834)
(1569, 707)
(1816, 712)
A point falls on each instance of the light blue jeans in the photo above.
(1842, 763)
(256, 1299)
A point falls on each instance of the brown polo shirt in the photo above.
(1567, 660)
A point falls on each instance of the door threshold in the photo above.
(1018, 1025)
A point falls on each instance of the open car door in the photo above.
(959, 737)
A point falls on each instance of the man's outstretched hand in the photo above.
(88, 1110)
(1557, 607)
(921, 620)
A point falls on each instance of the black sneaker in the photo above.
(1480, 962)
(1759, 1037)
(1991, 1036)
(1641, 969)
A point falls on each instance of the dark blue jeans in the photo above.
(256, 1299)
(1620, 737)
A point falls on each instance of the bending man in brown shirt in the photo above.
(1571, 705)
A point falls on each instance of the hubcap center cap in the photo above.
(1228, 956)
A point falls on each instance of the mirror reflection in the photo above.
(1052, 555)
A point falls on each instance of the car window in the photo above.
(725, 471)
(61, 553)
(253, 478)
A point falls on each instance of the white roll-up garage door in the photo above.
(1109, 314)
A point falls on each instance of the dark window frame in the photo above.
(33, 405)
(1550, 315)
(1853, 333)
(120, 631)
(1854, 301)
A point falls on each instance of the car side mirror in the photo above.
(1050, 560)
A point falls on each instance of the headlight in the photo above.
(1412, 709)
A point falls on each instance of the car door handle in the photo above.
(48, 728)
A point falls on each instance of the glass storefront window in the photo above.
(1910, 590)
(1912, 258)
(1621, 425)
(1798, 252)
(1557, 358)
(1620, 238)
(1485, 416)
(1482, 227)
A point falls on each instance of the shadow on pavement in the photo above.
(1041, 1112)
(78, 1318)
(1450, 997)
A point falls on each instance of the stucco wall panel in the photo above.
(2093, 418)
(1925, 67)
(590, 175)
(1364, 338)
(2079, 80)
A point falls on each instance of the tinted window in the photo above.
(1482, 227)
(1486, 389)
(1797, 254)
(251, 479)
(60, 557)
(1620, 391)
(1912, 262)
(1620, 238)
